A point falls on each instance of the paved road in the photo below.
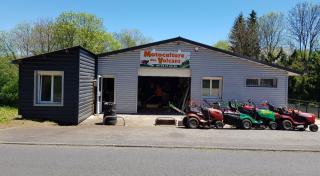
(166, 136)
(22, 160)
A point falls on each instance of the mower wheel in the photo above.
(286, 125)
(273, 125)
(313, 127)
(246, 124)
(219, 124)
(185, 122)
(193, 123)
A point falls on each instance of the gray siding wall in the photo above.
(234, 72)
(204, 63)
(86, 88)
(60, 61)
(124, 67)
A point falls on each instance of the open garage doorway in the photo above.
(156, 93)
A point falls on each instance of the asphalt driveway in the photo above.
(162, 136)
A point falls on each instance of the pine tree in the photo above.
(243, 37)
(237, 35)
(252, 36)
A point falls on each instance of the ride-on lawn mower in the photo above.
(235, 118)
(203, 116)
(290, 119)
(267, 116)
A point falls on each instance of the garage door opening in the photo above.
(155, 94)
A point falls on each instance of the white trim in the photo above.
(115, 90)
(37, 88)
(98, 108)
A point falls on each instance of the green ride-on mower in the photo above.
(267, 117)
(233, 117)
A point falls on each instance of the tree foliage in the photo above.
(222, 44)
(292, 42)
(8, 82)
(304, 28)
(237, 37)
(131, 37)
(83, 29)
(271, 31)
(252, 36)
(244, 36)
(45, 35)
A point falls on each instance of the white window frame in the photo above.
(37, 88)
(259, 82)
(220, 87)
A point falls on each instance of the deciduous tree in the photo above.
(131, 37)
(304, 28)
(222, 44)
(271, 35)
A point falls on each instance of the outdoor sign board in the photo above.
(167, 59)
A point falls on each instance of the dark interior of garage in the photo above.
(156, 93)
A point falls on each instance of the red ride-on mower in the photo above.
(294, 119)
(203, 115)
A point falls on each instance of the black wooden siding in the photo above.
(87, 73)
(79, 72)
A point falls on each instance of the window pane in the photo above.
(268, 83)
(252, 82)
(205, 87)
(57, 90)
(215, 91)
(215, 84)
(45, 88)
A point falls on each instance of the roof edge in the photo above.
(139, 46)
(17, 61)
(291, 71)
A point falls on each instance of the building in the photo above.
(70, 85)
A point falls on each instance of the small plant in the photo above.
(7, 113)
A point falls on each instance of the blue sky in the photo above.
(202, 21)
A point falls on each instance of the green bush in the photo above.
(8, 83)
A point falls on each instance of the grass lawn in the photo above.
(7, 113)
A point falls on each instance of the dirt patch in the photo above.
(19, 122)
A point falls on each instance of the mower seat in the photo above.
(205, 112)
(232, 108)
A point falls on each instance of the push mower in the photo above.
(290, 119)
(203, 116)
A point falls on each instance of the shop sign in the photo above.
(168, 59)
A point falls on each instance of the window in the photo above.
(49, 88)
(252, 82)
(211, 87)
(261, 82)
